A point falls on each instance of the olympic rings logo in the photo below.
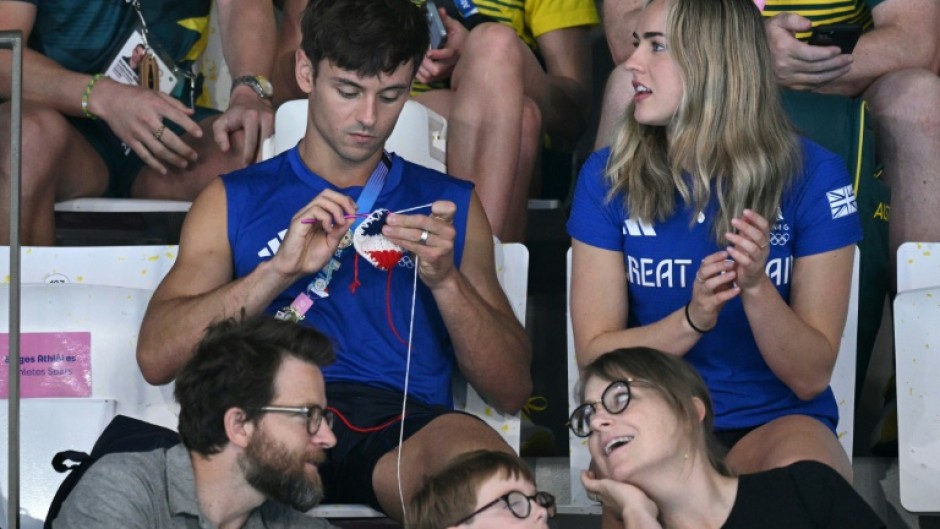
(779, 239)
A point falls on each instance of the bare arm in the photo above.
(905, 35)
(199, 289)
(132, 112)
(620, 18)
(65, 93)
(618, 93)
(492, 349)
(288, 41)
(632, 506)
(248, 40)
(599, 304)
(564, 92)
(800, 342)
(238, 20)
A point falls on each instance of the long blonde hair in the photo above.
(730, 131)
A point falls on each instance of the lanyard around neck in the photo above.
(364, 204)
(370, 192)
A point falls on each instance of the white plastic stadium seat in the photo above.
(122, 205)
(419, 136)
(103, 291)
(112, 316)
(916, 339)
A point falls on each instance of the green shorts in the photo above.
(122, 162)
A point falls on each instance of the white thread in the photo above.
(404, 400)
(406, 210)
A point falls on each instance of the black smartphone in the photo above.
(438, 31)
(842, 35)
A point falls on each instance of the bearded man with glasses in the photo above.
(253, 427)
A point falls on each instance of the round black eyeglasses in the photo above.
(315, 415)
(615, 399)
(518, 503)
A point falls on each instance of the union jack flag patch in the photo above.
(842, 202)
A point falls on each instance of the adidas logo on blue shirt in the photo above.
(635, 228)
(271, 248)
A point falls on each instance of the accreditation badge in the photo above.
(136, 63)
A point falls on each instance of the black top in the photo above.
(807, 494)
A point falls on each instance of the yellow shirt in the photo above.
(531, 19)
(823, 12)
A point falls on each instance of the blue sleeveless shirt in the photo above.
(364, 323)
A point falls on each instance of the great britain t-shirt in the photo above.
(817, 214)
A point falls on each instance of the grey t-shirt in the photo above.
(156, 490)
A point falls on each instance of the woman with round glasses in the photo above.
(482, 490)
(711, 231)
(648, 418)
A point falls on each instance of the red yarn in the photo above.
(355, 282)
(388, 307)
(385, 259)
(369, 429)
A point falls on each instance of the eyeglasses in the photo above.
(519, 504)
(315, 415)
(615, 399)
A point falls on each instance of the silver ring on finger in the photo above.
(423, 239)
(699, 278)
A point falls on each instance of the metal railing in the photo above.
(13, 40)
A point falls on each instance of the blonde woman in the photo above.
(711, 231)
(647, 418)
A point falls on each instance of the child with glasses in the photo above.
(481, 489)
(648, 417)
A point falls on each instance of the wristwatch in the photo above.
(258, 83)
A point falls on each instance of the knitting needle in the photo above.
(356, 216)
(363, 215)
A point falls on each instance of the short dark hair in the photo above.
(365, 36)
(673, 378)
(234, 366)
(451, 494)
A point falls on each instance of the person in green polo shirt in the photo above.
(95, 125)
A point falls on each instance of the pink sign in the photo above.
(52, 364)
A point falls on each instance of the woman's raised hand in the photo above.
(750, 247)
